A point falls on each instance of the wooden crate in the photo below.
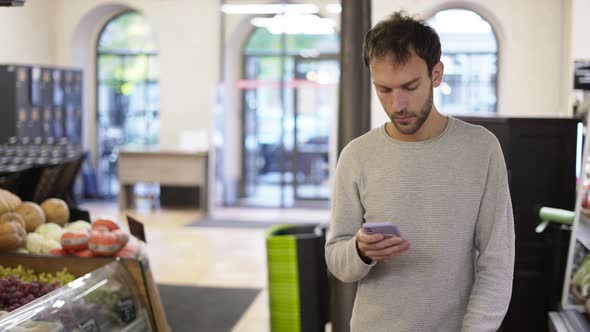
(78, 266)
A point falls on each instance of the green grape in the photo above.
(28, 275)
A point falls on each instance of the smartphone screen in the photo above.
(386, 228)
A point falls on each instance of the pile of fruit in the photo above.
(19, 286)
(27, 227)
(103, 237)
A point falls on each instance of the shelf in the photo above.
(568, 320)
(583, 232)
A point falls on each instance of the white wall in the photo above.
(28, 33)
(581, 29)
(187, 34)
(534, 51)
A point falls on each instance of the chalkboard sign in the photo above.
(136, 228)
(126, 308)
(582, 75)
(77, 214)
(88, 326)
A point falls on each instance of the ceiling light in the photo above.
(334, 8)
(295, 24)
(270, 9)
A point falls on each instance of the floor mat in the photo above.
(209, 222)
(193, 308)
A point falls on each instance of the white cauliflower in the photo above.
(79, 225)
(35, 243)
(21, 251)
(48, 245)
(50, 231)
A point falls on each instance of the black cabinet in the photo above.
(46, 86)
(540, 156)
(14, 95)
(72, 105)
(40, 103)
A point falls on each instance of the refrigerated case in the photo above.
(575, 304)
(108, 295)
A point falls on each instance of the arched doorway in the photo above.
(289, 93)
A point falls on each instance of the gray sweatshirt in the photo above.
(449, 197)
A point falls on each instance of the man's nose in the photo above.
(399, 101)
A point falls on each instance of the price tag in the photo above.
(126, 309)
(88, 326)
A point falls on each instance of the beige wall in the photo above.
(28, 33)
(534, 51)
(187, 34)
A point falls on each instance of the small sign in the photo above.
(126, 308)
(136, 228)
(582, 75)
(88, 326)
(76, 214)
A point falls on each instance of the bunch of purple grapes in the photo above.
(15, 293)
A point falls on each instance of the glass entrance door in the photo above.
(316, 99)
(267, 132)
(287, 124)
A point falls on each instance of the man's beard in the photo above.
(420, 117)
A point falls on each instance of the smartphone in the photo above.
(386, 228)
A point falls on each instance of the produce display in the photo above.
(101, 238)
(107, 301)
(26, 227)
(104, 300)
(19, 286)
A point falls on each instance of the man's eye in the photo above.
(411, 88)
(384, 90)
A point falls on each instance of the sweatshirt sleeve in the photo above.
(494, 242)
(347, 217)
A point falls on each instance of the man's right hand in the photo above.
(376, 247)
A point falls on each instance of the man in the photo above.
(442, 181)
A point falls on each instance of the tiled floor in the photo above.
(209, 256)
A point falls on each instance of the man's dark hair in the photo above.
(396, 34)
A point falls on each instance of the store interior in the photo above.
(217, 124)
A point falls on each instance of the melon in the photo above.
(56, 211)
(32, 214)
(8, 201)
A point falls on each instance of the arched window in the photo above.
(470, 57)
(127, 92)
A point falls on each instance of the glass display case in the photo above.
(105, 299)
(576, 288)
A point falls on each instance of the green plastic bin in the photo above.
(297, 278)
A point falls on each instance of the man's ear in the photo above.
(437, 74)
